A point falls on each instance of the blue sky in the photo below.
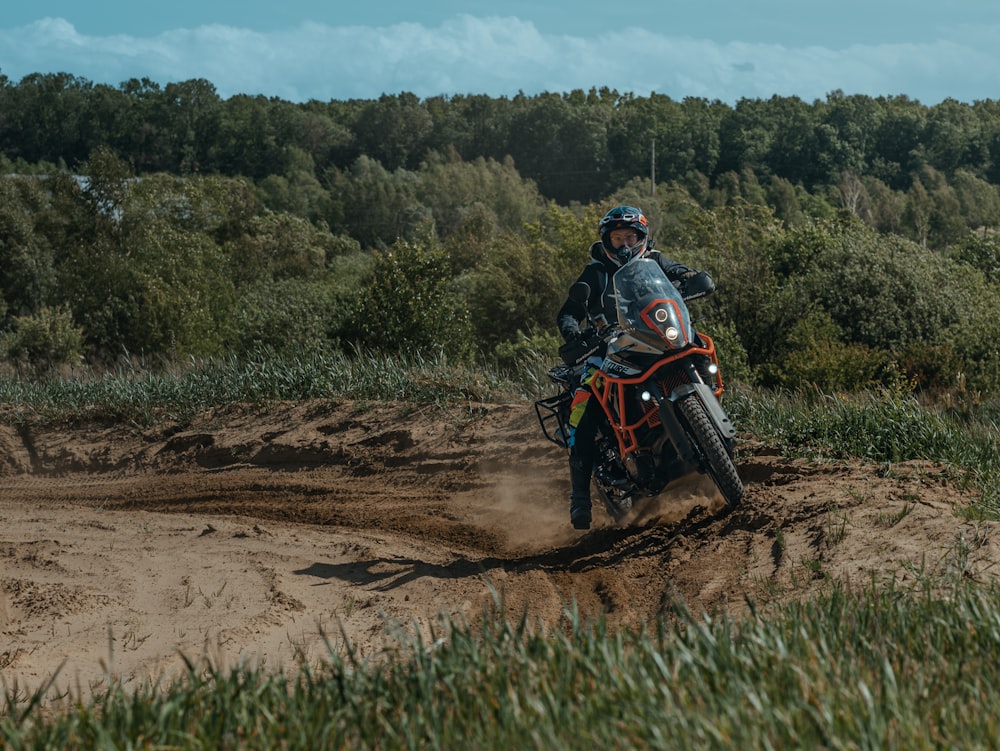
(718, 49)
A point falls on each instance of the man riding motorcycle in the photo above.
(624, 233)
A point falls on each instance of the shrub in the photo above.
(42, 341)
(818, 357)
(981, 252)
(883, 292)
(410, 303)
(290, 316)
(528, 350)
(733, 360)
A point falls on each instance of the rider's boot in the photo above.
(579, 497)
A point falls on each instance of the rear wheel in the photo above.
(616, 502)
(719, 463)
(611, 481)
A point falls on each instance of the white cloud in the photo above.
(499, 56)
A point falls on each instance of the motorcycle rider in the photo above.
(624, 233)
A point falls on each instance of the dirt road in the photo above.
(272, 535)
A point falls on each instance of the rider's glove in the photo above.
(578, 347)
(679, 281)
(694, 284)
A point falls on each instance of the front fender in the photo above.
(721, 421)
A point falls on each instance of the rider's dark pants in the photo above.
(583, 447)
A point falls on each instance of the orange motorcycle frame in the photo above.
(610, 392)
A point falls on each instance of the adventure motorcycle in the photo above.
(659, 386)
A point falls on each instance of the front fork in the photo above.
(675, 430)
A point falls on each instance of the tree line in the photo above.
(852, 238)
(855, 151)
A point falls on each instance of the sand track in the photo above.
(249, 534)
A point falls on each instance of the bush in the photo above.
(818, 357)
(528, 350)
(43, 341)
(733, 361)
(981, 252)
(883, 292)
(410, 303)
(290, 317)
(833, 366)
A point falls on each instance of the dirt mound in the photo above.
(272, 535)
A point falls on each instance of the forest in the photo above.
(852, 239)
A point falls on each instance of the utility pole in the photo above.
(652, 170)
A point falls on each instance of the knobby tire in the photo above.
(720, 465)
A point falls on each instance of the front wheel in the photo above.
(719, 463)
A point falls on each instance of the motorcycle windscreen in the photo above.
(649, 306)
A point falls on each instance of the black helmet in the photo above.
(624, 217)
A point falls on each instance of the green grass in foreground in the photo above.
(880, 669)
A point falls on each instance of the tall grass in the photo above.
(884, 668)
(884, 427)
(137, 392)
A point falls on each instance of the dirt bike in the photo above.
(659, 386)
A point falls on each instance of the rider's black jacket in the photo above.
(597, 274)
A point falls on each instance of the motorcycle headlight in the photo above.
(671, 333)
